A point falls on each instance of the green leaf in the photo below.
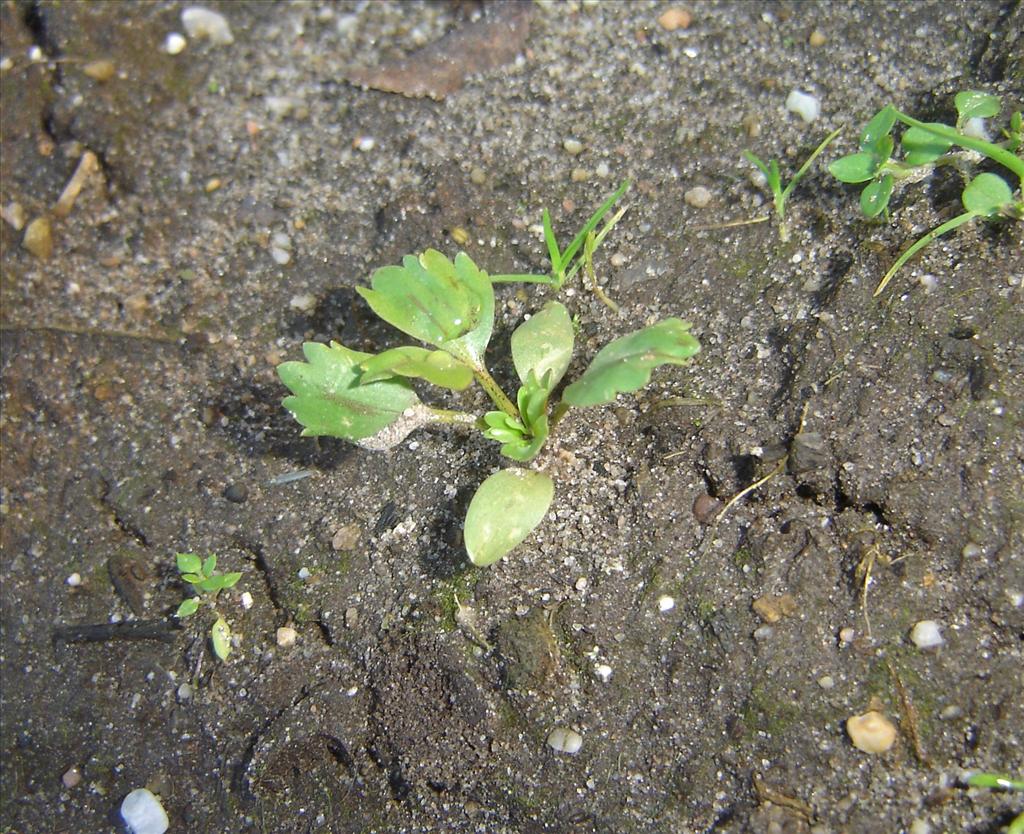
(626, 364)
(449, 306)
(922, 147)
(507, 507)
(757, 162)
(876, 130)
(328, 399)
(544, 343)
(435, 366)
(220, 636)
(189, 563)
(970, 104)
(532, 398)
(187, 608)
(212, 584)
(193, 578)
(209, 565)
(856, 167)
(526, 447)
(987, 194)
(875, 196)
(504, 428)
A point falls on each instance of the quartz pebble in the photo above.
(205, 23)
(72, 777)
(603, 672)
(573, 147)
(675, 18)
(563, 740)
(698, 197)
(74, 580)
(666, 603)
(926, 634)
(286, 636)
(174, 43)
(871, 732)
(806, 106)
(143, 813)
(14, 215)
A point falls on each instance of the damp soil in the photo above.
(708, 667)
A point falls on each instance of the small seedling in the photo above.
(202, 575)
(449, 305)
(774, 180)
(925, 146)
(998, 781)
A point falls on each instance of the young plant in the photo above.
(774, 180)
(206, 583)
(449, 306)
(925, 146)
(997, 781)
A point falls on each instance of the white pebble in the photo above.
(286, 636)
(666, 603)
(806, 106)
(847, 635)
(303, 573)
(919, 826)
(72, 777)
(826, 682)
(205, 23)
(246, 600)
(143, 813)
(303, 303)
(971, 550)
(185, 692)
(603, 672)
(977, 129)
(698, 197)
(365, 143)
(74, 580)
(280, 256)
(175, 43)
(926, 635)
(581, 583)
(563, 740)
(871, 732)
(602, 170)
(763, 633)
(574, 147)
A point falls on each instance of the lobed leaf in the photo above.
(447, 305)
(435, 366)
(544, 343)
(921, 147)
(506, 508)
(875, 197)
(626, 364)
(971, 104)
(189, 563)
(327, 398)
(987, 194)
(855, 167)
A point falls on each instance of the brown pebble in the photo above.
(100, 70)
(817, 38)
(39, 238)
(705, 507)
(346, 538)
(675, 18)
(72, 777)
(771, 609)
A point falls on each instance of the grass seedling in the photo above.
(449, 305)
(565, 263)
(206, 583)
(781, 193)
(926, 146)
(997, 781)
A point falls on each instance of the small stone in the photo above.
(74, 580)
(817, 38)
(185, 693)
(351, 617)
(72, 777)
(698, 197)
(581, 584)
(286, 636)
(971, 551)
(563, 740)
(281, 256)
(205, 23)
(14, 215)
(579, 175)
(772, 608)
(751, 124)
(236, 493)
(602, 170)
(951, 712)
(478, 176)
(304, 573)
(143, 813)
(603, 672)
(364, 143)
(174, 43)
(212, 185)
(618, 260)
(346, 537)
(101, 71)
(675, 18)
(666, 603)
(246, 600)
(871, 732)
(573, 147)
(926, 634)
(39, 238)
(806, 106)
(705, 507)
(762, 633)
(303, 302)
(826, 682)
(847, 635)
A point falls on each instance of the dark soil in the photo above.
(142, 417)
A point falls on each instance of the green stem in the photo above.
(522, 279)
(810, 160)
(498, 397)
(948, 226)
(989, 149)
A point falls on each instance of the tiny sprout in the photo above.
(202, 575)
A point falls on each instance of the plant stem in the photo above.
(522, 279)
(989, 149)
(498, 397)
(948, 226)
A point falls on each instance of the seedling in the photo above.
(998, 781)
(925, 146)
(449, 305)
(202, 575)
(774, 179)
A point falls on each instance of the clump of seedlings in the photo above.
(449, 306)
(206, 583)
(883, 161)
